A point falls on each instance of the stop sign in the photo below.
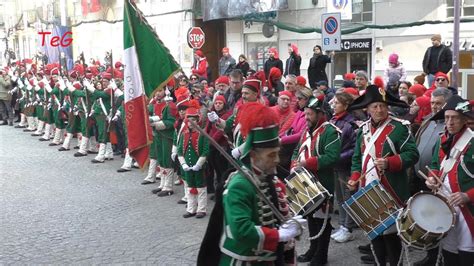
(196, 38)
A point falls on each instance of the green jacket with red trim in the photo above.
(398, 146)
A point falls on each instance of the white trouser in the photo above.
(109, 152)
(47, 132)
(57, 136)
(31, 123)
(23, 120)
(39, 129)
(67, 141)
(151, 176)
(459, 238)
(93, 144)
(127, 162)
(101, 155)
(166, 182)
(186, 191)
(197, 203)
(83, 145)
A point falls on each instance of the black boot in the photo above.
(321, 255)
(313, 230)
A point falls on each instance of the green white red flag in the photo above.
(148, 66)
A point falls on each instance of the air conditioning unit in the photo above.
(379, 45)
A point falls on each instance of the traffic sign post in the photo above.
(196, 37)
(331, 31)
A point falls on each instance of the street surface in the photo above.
(59, 209)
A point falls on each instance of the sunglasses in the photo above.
(193, 78)
(440, 79)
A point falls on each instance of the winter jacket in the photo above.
(4, 88)
(244, 67)
(393, 75)
(297, 128)
(348, 138)
(317, 69)
(226, 65)
(272, 62)
(444, 62)
(200, 68)
(293, 64)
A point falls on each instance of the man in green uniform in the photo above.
(243, 230)
(318, 151)
(102, 95)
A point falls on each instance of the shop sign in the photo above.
(464, 44)
(356, 45)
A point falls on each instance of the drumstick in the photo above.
(370, 169)
(436, 177)
(425, 177)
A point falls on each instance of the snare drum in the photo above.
(373, 209)
(304, 193)
(426, 220)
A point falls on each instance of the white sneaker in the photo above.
(344, 236)
(336, 232)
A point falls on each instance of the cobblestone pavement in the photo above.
(58, 209)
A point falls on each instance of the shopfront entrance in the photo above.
(355, 55)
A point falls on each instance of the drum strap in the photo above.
(369, 141)
(454, 184)
(102, 106)
(455, 152)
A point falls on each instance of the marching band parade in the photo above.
(266, 154)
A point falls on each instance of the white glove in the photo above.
(118, 93)
(69, 86)
(173, 156)
(91, 113)
(185, 167)
(62, 86)
(14, 78)
(236, 153)
(20, 83)
(115, 118)
(291, 229)
(196, 167)
(154, 119)
(88, 85)
(112, 84)
(212, 116)
(10, 73)
(35, 82)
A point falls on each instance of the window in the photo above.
(362, 10)
(467, 8)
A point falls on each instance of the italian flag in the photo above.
(148, 66)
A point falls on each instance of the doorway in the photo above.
(214, 42)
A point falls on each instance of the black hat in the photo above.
(315, 104)
(458, 104)
(375, 94)
(322, 83)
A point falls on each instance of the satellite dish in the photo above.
(268, 30)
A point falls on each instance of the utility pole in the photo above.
(457, 15)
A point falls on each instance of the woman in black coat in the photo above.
(317, 66)
(243, 65)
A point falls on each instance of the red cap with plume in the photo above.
(254, 115)
(378, 81)
(193, 108)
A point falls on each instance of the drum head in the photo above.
(431, 213)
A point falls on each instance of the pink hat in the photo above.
(393, 59)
